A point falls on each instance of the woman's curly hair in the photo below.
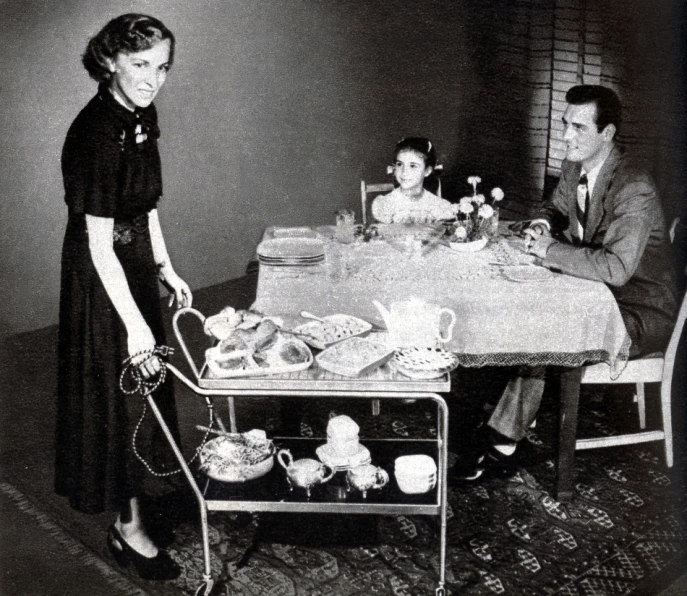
(127, 33)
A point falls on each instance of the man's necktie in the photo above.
(582, 212)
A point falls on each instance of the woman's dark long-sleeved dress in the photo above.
(111, 168)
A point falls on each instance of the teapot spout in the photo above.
(386, 315)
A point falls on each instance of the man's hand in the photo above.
(540, 245)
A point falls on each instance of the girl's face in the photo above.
(410, 170)
(137, 77)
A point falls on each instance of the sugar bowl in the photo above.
(366, 477)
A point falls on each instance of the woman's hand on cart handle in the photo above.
(179, 290)
(141, 344)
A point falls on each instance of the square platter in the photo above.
(331, 330)
(354, 357)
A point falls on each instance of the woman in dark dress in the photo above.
(113, 255)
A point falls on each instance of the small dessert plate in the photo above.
(338, 463)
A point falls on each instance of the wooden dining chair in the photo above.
(654, 368)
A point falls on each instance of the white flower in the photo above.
(478, 199)
(461, 233)
(497, 194)
(465, 201)
(474, 180)
(486, 211)
(466, 208)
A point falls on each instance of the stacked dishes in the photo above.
(415, 474)
(290, 252)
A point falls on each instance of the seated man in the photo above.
(604, 222)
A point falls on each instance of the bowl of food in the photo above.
(235, 457)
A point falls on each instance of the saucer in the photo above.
(338, 463)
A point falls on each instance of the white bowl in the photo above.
(415, 486)
(473, 246)
(415, 465)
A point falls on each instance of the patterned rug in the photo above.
(506, 534)
(624, 532)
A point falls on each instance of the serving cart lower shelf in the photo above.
(272, 491)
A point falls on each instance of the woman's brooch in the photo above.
(140, 135)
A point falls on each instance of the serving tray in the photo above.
(354, 357)
(213, 360)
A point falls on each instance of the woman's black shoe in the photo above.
(159, 567)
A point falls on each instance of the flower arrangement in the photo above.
(475, 214)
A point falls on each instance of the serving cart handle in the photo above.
(180, 339)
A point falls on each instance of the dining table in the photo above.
(509, 310)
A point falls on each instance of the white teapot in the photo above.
(416, 323)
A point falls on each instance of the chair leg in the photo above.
(666, 415)
(641, 407)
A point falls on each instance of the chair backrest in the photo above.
(671, 350)
(366, 189)
(672, 230)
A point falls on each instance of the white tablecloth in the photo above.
(564, 321)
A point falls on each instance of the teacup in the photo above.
(366, 477)
(304, 473)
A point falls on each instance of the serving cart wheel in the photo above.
(205, 589)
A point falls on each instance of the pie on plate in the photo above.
(424, 363)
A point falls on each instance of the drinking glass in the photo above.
(345, 226)
(493, 224)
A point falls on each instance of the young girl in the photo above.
(414, 160)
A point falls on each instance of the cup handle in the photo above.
(285, 453)
(329, 476)
(382, 478)
(449, 329)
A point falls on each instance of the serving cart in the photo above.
(271, 493)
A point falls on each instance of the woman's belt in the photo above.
(125, 231)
